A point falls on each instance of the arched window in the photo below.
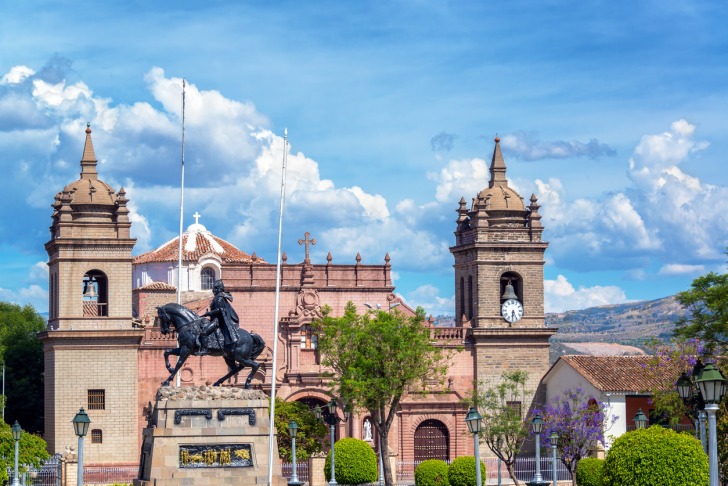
(432, 441)
(461, 310)
(95, 294)
(207, 278)
(470, 296)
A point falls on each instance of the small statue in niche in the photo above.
(367, 430)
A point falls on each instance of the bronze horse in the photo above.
(189, 326)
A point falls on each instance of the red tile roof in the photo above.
(204, 243)
(619, 373)
(158, 286)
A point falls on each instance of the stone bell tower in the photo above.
(90, 345)
(499, 289)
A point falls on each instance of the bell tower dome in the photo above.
(90, 344)
(499, 287)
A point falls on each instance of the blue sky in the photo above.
(613, 113)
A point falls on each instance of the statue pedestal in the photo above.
(207, 436)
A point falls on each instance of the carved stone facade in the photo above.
(101, 335)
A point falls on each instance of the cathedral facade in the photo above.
(104, 353)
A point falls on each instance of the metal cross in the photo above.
(197, 217)
(306, 242)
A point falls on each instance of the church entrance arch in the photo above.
(432, 441)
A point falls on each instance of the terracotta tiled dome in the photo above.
(502, 198)
(197, 242)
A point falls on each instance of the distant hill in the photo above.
(629, 324)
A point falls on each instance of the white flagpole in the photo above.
(275, 319)
(181, 213)
(181, 202)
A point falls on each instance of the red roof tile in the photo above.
(204, 243)
(619, 373)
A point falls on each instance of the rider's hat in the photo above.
(218, 285)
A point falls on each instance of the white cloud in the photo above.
(680, 269)
(460, 178)
(561, 296)
(16, 75)
(528, 147)
(39, 272)
(428, 297)
(34, 295)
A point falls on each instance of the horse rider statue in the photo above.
(223, 316)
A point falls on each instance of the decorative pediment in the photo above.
(307, 305)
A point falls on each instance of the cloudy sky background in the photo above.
(614, 114)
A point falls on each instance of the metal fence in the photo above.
(109, 475)
(525, 468)
(49, 474)
(301, 470)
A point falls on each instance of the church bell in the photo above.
(509, 293)
(90, 291)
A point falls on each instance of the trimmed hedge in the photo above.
(589, 472)
(461, 471)
(656, 456)
(356, 462)
(432, 472)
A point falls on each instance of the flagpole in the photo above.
(275, 318)
(181, 213)
(181, 202)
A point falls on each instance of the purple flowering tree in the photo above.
(580, 422)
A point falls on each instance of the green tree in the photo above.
(311, 434)
(31, 450)
(504, 429)
(707, 303)
(377, 357)
(22, 355)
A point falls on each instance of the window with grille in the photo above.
(516, 407)
(97, 437)
(207, 278)
(309, 339)
(97, 399)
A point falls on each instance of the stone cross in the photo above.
(306, 242)
(197, 217)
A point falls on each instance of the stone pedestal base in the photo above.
(207, 436)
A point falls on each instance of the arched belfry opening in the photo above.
(95, 294)
(515, 281)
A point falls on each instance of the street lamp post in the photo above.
(381, 462)
(554, 439)
(332, 419)
(689, 391)
(474, 421)
(17, 432)
(537, 426)
(81, 423)
(640, 419)
(292, 431)
(713, 387)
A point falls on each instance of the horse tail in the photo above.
(258, 346)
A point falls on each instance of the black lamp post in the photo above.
(81, 423)
(640, 419)
(474, 421)
(332, 419)
(537, 427)
(554, 439)
(292, 431)
(17, 432)
(713, 388)
(689, 391)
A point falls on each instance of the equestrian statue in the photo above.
(221, 336)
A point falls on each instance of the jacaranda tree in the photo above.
(580, 422)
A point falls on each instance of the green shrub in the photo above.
(356, 462)
(462, 471)
(432, 472)
(655, 456)
(589, 472)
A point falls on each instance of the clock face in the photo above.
(512, 310)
